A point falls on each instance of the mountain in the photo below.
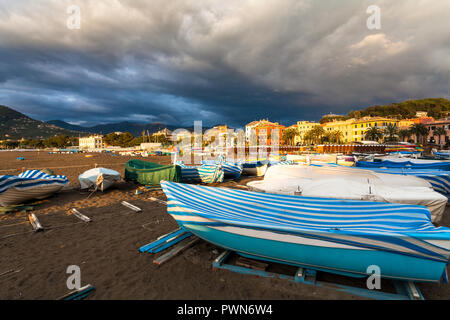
(15, 125)
(134, 128)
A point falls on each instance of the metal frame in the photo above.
(406, 290)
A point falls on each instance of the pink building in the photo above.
(432, 137)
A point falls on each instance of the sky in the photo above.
(231, 61)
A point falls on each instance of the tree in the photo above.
(404, 133)
(391, 132)
(373, 134)
(336, 136)
(440, 131)
(289, 135)
(419, 131)
(316, 133)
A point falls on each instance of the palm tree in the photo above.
(419, 130)
(440, 131)
(404, 133)
(289, 135)
(391, 132)
(336, 136)
(317, 132)
(373, 134)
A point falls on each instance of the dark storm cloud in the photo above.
(218, 61)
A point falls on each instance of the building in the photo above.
(360, 126)
(433, 136)
(216, 132)
(302, 128)
(345, 127)
(163, 132)
(265, 131)
(91, 142)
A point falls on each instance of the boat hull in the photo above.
(344, 261)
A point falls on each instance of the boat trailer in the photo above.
(404, 290)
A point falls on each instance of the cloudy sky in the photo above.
(218, 61)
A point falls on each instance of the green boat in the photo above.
(150, 173)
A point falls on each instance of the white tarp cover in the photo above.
(347, 183)
(100, 178)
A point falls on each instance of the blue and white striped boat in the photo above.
(207, 173)
(441, 155)
(231, 170)
(412, 164)
(339, 236)
(30, 184)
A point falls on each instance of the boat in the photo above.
(150, 173)
(206, 173)
(231, 170)
(255, 168)
(338, 236)
(439, 179)
(98, 178)
(341, 182)
(442, 154)
(405, 163)
(30, 184)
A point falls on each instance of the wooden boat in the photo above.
(206, 173)
(150, 173)
(340, 236)
(255, 168)
(30, 184)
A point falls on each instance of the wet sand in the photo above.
(106, 249)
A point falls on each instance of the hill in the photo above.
(15, 125)
(435, 107)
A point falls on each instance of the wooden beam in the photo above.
(132, 207)
(174, 252)
(81, 216)
(35, 222)
(158, 200)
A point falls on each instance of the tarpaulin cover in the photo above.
(150, 173)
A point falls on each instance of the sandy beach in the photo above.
(106, 249)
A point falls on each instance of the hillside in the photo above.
(15, 125)
(125, 126)
(435, 107)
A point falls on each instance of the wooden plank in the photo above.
(35, 222)
(132, 207)
(174, 252)
(257, 265)
(158, 200)
(79, 294)
(81, 216)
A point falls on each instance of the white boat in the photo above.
(98, 178)
(348, 183)
(30, 184)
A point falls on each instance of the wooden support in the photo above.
(252, 264)
(35, 222)
(158, 200)
(81, 216)
(174, 252)
(79, 294)
(132, 207)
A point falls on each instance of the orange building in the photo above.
(266, 130)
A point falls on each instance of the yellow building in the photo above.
(91, 142)
(303, 127)
(359, 126)
(343, 126)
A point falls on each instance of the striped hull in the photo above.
(14, 195)
(267, 227)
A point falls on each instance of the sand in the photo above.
(106, 249)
